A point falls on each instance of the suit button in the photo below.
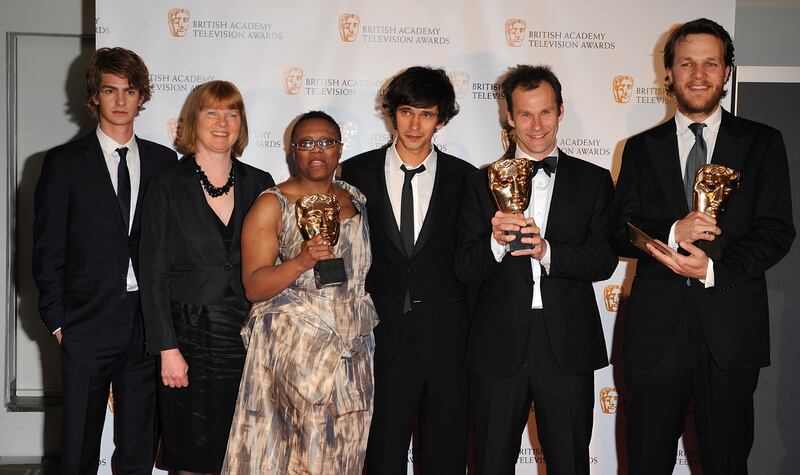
(227, 266)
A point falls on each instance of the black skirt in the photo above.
(196, 420)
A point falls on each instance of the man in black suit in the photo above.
(536, 334)
(413, 190)
(85, 262)
(696, 328)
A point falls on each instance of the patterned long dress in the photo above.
(305, 399)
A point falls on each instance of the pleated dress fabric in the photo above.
(196, 419)
(305, 399)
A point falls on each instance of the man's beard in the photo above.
(693, 107)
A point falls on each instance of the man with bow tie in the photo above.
(536, 335)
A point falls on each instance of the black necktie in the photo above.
(548, 164)
(695, 160)
(407, 220)
(124, 186)
(407, 208)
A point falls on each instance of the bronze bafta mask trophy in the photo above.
(319, 214)
(510, 183)
(712, 186)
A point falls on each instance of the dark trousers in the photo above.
(659, 396)
(563, 406)
(116, 357)
(403, 391)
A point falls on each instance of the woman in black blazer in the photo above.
(191, 287)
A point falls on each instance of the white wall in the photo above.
(767, 32)
(23, 433)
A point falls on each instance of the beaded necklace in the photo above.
(212, 190)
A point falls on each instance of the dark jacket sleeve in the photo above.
(627, 206)
(593, 259)
(474, 260)
(154, 267)
(50, 224)
(772, 230)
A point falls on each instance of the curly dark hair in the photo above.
(119, 62)
(420, 86)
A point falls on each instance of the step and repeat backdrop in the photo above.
(291, 57)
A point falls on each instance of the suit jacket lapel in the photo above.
(144, 174)
(377, 178)
(731, 146)
(563, 178)
(239, 209)
(663, 147)
(96, 165)
(443, 187)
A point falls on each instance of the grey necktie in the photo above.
(695, 160)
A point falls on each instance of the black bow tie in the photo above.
(548, 164)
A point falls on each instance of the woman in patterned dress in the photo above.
(305, 400)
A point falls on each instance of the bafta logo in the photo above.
(623, 88)
(460, 80)
(173, 129)
(348, 27)
(515, 31)
(178, 20)
(609, 400)
(292, 80)
(612, 294)
(349, 132)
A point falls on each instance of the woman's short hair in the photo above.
(212, 94)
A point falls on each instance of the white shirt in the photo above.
(109, 147)
(538, 209)
(686, 140)
(421, 185)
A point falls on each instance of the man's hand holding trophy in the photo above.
(698, 232)
(510, 183)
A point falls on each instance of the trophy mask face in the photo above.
(510, 184)
(714, 183)
(319, 214)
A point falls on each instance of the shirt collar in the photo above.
(394, 161)
(110, 145)
(712, 122)
(519, 153)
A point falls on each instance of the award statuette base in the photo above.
(329, 273)
(517, 244)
